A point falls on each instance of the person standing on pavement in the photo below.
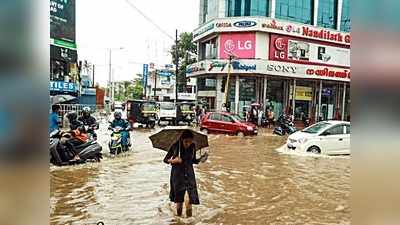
(182, 156)
(53, 118)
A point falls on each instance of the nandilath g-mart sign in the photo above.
(62, 22)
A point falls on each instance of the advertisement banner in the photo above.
(62, 20)
(164, 80)
(284, 48)
(278, 68)
(302, 93)
(88, 91)
(269, 25)
(240, 45)
(62, 86)
(145, 74)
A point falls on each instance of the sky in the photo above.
(105, 24)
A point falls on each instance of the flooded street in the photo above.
(244, 181)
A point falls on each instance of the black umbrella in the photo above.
(165, 138)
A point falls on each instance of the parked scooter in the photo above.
(64, 151)
(285, 126)
(115, 143)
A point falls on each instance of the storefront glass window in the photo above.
(275, 93)
(327, 13)
(247, 8)
(208, 10)
(303, 99)
(295, 10)
(206, 84)
(345, 20)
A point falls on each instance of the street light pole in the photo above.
(176, 75)
(109, 79)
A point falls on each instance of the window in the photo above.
(215, 116)
(336, 130)
(227, 119)
(345, 20)
(327, 13)
(206, 84)
(295, 10)
(247, 8)
(348, 129)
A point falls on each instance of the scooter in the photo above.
(115, 143)
(64, 152)
(286, 126)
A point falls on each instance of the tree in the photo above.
(185, 45)
(129, 90)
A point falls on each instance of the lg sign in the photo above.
(241, 45)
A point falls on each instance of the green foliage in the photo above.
(129, 90)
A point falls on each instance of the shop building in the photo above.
(64, 72)
(292, 56)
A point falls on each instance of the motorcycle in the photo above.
(115, 144)
(64, 152)
(285, 126)
(90, 131)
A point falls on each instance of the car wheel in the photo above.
(240, 134)
(314, 149)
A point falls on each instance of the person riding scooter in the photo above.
(89, 121)
(125, 125)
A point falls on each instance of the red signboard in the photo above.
(240, 45)
(298, 50)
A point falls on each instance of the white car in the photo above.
(327, 137)
(167, 112)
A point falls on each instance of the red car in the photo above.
(226, 123)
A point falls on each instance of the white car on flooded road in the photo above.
(326, 137)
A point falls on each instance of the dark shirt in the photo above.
(90, 120)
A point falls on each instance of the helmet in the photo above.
(117, 115)
(86, 111)
(72, 116)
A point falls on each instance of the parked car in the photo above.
(167, 112)
(226, 123)
(327, 137)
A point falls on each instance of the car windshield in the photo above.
(238, 118)
(167, 106)
(316, 128)
(149, 107)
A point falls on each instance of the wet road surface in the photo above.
(244, 181)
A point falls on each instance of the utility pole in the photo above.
(227, 81)
(93, 76)
(109, 80)
(176, 75)
(155, 84)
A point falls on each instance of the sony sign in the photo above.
(282, 69)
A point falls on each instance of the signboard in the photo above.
(269, 25)
(63, 54)
(62, 20)
(164, 73)
(145, 74)
(164, 80)
(290, 49)
(88, 91)
(62, 86)
(302, 93)
(278, 68)
(241, 45)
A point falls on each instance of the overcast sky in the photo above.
(102, 24)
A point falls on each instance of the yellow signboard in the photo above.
(302, 93)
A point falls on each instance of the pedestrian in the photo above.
(271, 119)
(224, 109)
(183, 188)
(53, 118)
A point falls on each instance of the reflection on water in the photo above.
(244, 181)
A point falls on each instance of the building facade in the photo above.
(292, 56)
(64, 72)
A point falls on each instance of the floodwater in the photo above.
(244, 181)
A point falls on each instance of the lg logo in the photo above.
(241, 45)
(279, 44)
(280, 48)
